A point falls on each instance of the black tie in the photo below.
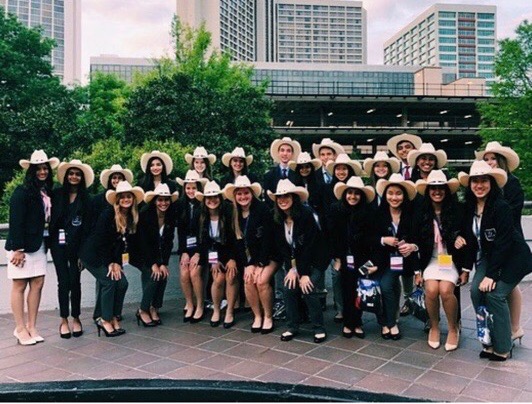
(284, 173)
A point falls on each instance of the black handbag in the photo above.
(369, 296)
(417, 304)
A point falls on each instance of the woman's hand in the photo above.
(184, 262)
(249, 274)
(306, 284)
(230, 269)
(163, 269)
(487, 285)
(215, 270)
(463, 278)
(291, 278)
(115, 271)
(459, 242)
(406, 249)
(419, 280)
(391, 241)
(18, 258)
(155, 272)
(194, 261)
(372, 270)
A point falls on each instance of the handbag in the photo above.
(417, 304)
(484, 319)
(369, 296)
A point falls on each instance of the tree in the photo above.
(507, 118)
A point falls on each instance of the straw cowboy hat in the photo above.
(394, 163)
(344, 159)
(356, 183)
(242, 181)
(192, 176)
(495, 147)
(161, 190)
(480, 167)
(85, 169)
(274, 148)
(200, 153)
(165, 158)
(396, 179)
(304, 158)
(404, 137)
(237, 152)
(115, 168)
(437, 177)
(428, 148)
(211, 189)
(39, 157)
(326, 142)
(285, 187)
(124, 186)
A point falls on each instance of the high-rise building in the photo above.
(61, 21)
(124, 68)
(462, 37)
(326, 31)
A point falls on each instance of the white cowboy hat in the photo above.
(437, 177)
(124, 186)
(192, 176)
(480, 167)
(211, 189)
(39, 157)
(403, 137)
(356, 183)
(344, 159)
(304, 158)
(85, 169)
(495, 147)
(326, 142)
(165, 158)
(394, 163)
(115, 168)
(427, 148)
(237, 152)
(285, 187)
(396, 179)
(200, 153)
(274, 148)
(242, 181)
(161, 190)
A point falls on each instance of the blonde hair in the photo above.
(129, 221)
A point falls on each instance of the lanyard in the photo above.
(124, 240)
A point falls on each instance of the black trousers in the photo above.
(152, 290)
(68, 280)
(352, 315)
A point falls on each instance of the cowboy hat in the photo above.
(122, 187)
(85, 169)
(165, 158)
(326, 142)
(437, 177)
(115, 168)
(161, 190)
(304, 158)
(394, 163)
(480, 167)
(394, 141)
(39, 157)
(427, 148)
(200, 153)
(242, 181)
(192, 176)
(344, 159)
(274, 148)
(211, 189)
(285, 187)
(495, 147)
(356, 183)
(237, 152)
(396, 179)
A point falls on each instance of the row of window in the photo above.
(465, 15)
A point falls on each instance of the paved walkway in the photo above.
(407, 368)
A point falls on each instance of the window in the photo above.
(447, 57)
(447, 23)
(486, 50)
(447, 40)
(483, 58)
(482, 32)
(446, 14)
(466, 15)
(446, 31)
(444, 48)
(486, 16)
(484, 66)
(483, 41)
(485, 24)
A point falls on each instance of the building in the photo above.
(456, 36)
(301, 31)
(124, 68)
(61, 21)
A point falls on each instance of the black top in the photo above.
(172, 185)
(314, 193)
(230, 179)
(225, 247)
(272, 178)
(187, 215)
(156, 248)
(99, 204)
(514, 195)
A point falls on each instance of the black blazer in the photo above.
(99, 204)
(187, 226)
(156, 249)
(514, 195)
(272, 178)
(314, 193)
(26, 221)
(172, 185)
(229, 179)
(227, 249)
(507, 254)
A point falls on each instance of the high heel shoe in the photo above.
(519, 334)
(144, 323)
(499, 358)
(434, 344)
(452, 347)
(108, 334)
(194, 320)
(66, 335)
(30, 341)
(320, 337)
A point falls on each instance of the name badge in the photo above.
(125, 259)
(62, 237)
(396, 263)
(213, 257)
(445, 261)
(192, 242)
(350, 262)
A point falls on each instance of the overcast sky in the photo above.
(141, 28)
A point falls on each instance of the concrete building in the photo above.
(124, 68)
(457, 36)
(61, 21)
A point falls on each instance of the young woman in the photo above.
(29, 217)
(380, 167)
(298, 242)
(502, 257)
(237, 164)
(217, 251)
(157, 226)
(70, 225)
(350, 224)
(109, 178)
(438, 225)
(190, 271)
(305, 167)
(424, 160)
(201, 162)
(157, 166)
(112, 244)
(394, 246)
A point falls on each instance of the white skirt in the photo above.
(35, 265)
(434, 272)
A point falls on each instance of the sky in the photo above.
(141, 28)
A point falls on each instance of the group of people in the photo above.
(243, 243)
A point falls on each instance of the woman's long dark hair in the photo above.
(245, 169)
(223, 227)
(110, 180)
(32, 183)
(373, 178)
(447, 216)
(184, 201)
(310, 179)
(494, 194)
(208, 168)
(151, 211)
(147, 181)
(82, 198)
(295, 211)
(350, 173)
(405, 205)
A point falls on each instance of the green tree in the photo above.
(507, 118)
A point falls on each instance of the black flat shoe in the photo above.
(484, 354)
(287, 336)
(347, 334)
(499, 358)
(256, 330)
(386, 335)
(319, 340)
(77, 334)
(360, 335)
(229, 324)
(265, 331)
(194, 320)
(215, 323)
(65, 335)
(186, 319)
(396, 337)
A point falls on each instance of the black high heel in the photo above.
(108, 334)
(144, 323)
(65, 335)
(498, 358)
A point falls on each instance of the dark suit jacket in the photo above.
(514, 195)
(271, 178)
(187, 226)
(156, 249)
(99, 204)
(227, 248)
